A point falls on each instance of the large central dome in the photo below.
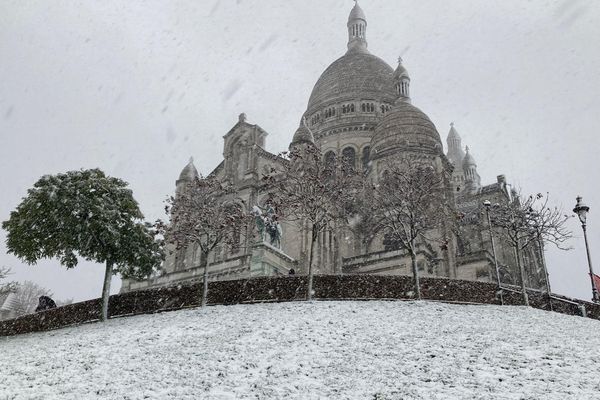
(357, 75)
(354, 92)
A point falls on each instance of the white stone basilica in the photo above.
(359, 110)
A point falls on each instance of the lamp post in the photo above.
(581, 210)
(487, 205)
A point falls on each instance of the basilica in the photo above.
(359, 110)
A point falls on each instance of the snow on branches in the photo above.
(87, 214)
(313, 192)
(407, 204)
(204, 213)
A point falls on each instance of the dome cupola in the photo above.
(189, 172)
(303, 135)
(472, 178)
(468, 160)
(357, 29)
(402, 82)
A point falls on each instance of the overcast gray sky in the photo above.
(136, 88)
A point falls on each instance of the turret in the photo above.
(455, 152)
(302, 137)
(472, 178)
(188, 174)
(357, 29)
(402, 82)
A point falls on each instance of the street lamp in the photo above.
(487, 205)
(581, 210)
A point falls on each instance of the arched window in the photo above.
(329, 160)
(235, 241)
(362, 107)
(385, 175)
(351, 107)
(366, 154)
(344, 109)
(349, 157)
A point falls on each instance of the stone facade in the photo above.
(359, 110)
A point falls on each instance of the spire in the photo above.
(357, 29)
(402, 82)
(455, 151)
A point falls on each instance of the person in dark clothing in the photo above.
(292, 272)
(45, 303)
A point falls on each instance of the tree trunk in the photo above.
(205, 283)
(546, 274)
(413, 259)
(313, 239)
(522, 273)
(106, 291)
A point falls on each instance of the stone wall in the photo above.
(276, 289)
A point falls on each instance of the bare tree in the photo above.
(26, 297)
(313, 192)
(203, 214)
(529, 223)
(5, 286)
(4, 272)
(410, 203)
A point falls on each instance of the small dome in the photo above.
(189, 172)
(400, 71)
(405, 126)
(303, 135)
(468, 160)
(357, 13)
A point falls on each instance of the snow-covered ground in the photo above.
(320, 350)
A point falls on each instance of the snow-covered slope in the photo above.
(321, 350)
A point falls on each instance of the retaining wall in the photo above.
(326, 287)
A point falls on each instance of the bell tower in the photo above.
(357, 29)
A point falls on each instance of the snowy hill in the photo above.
(321, 350)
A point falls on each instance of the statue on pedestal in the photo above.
(267, 224)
